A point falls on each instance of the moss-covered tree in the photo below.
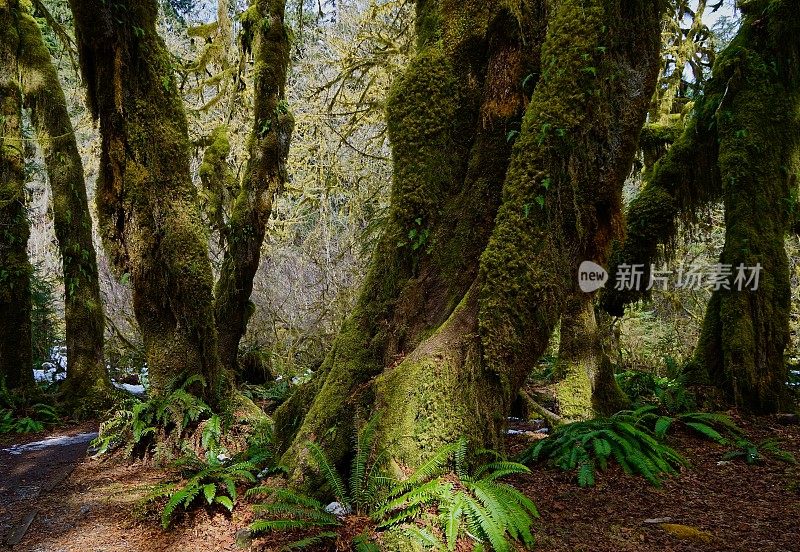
(87, 380)
(740, 145)
(585, 383)
(264, 175)
(15, 269)
(483, 242)
(147, 202)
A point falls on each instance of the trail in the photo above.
(32, 470)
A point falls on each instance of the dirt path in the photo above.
(736, 507)
(34, 469)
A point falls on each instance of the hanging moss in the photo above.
(87, 381)
(216, 178)
(680, 184)
(15, 269)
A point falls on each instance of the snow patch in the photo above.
(130, 388)
(62, 441)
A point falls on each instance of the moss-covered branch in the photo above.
(264, 176)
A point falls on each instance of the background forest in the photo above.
(320, 289)
(325, 224)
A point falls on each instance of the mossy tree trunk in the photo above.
(483, 243)
(585, 376)
(758, 123)
(148, 203)
(264, 176)
(15, 269)
(87, 380)
(741, 145)
(148, 207)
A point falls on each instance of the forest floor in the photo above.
(96, 506)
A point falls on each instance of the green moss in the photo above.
(436, 192)
(87, 381)
(264, 176)
(521, 271)
(758, 136)
(149, 217)
(15, 269)
(574, 394)
(439, 393)
(740, 145)
(680, 184)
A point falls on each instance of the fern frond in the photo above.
(422, 536)
(330, 474)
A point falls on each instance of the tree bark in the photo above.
(264, 176)
(87, 381)
(586, 385)
(15, 269)
(483, 245)
(742, 145)
(746, 331)
(147, 202)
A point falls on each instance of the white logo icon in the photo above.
(591, 276)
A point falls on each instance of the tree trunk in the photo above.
(746, 331)
(264, 176)
(146, 199)
(87, 380)
(586, 384)
(742, 144)
(460, 302)
(15, 269)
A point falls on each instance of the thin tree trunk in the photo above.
(15, 269)
(264, 176)
(87, 381)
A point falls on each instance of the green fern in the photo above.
(756, 453)
(625, 438)
(139, 425)
(476, 505)
(330, 474)
(212, 481)
(288, 510)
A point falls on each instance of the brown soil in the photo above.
(742, 507)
